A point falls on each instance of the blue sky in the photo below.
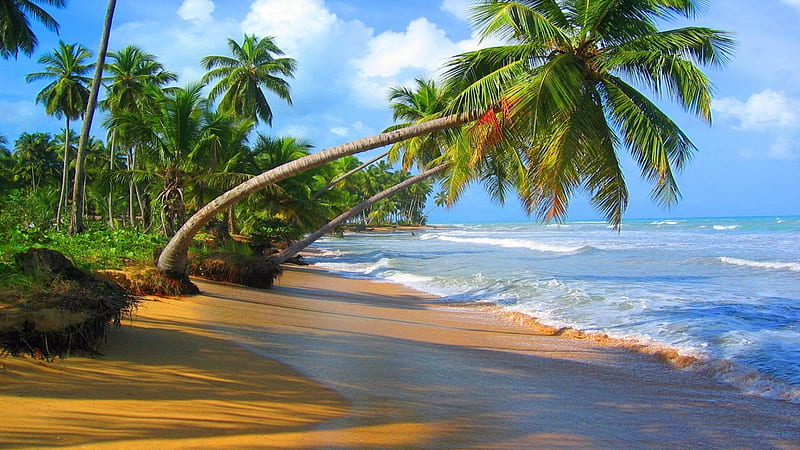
(350, 52)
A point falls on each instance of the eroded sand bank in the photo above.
(322, 360)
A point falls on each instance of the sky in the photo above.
(350, 52)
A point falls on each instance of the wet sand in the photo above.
(324, 361)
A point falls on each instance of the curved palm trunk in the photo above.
(346, 174)
(174, 258)
(300, 245)
(76, 220)
(62, 193)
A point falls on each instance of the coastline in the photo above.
(347, 362)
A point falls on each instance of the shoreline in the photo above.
(724, 371)
(347, 362)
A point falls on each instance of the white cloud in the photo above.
(340, 131)
(458, 8)
(294, 23)
(196, 10)
(784, 148)
(765, 110)
(394, 58)
(179, 45)
(793, 3)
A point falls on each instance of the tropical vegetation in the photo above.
(543, 116)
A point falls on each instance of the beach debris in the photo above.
(68, 311)
(247, 270)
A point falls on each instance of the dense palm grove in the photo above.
(168, 150)
(542, 116)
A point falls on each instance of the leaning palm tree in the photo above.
(65, 96)
(15, 27)
(558, 91)
(244, 76)
(563, 86)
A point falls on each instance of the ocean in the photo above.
(723, 290)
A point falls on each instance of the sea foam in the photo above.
(794, 267)
(515, 243)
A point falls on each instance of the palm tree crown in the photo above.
(243, 76)
(66, 94)
(562, 87)
(15, 27)
(130, 71)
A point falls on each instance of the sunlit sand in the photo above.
(327, 361)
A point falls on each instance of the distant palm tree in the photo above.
(129, 73)
(36, 159)
(65, 96)
(172, 132)
(243, 77)
(559, 87)
(15, 27)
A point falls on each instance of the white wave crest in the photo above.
(725, 227)
(516, 243)
(665, 222)
(794, 267)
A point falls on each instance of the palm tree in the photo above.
(243, 77)
(65, 96)
(173, 259)
(559, 88)
(36, 159)
(172, 132)
(76, 218)
(300, 245)
(15, 27)
(130, 71)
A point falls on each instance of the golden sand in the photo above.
(324, 361)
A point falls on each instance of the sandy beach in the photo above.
(325, 361)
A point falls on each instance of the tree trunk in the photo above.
(62, 193)
(110, 184)
(174, 258)
(76, 221)
(300, 245)
(346, 174)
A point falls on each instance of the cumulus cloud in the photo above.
(294, 23)
(459, 8)
(177, 44)
(394, 58)
(196, 10)
(765, 110)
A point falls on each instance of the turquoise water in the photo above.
(724, 290)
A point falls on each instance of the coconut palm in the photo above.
(15, 27)
(563, 85)
(76, 218)
(65, 96)
(173, 259)
(425, 101)
(172, 132)
(244, 76)
(129, 72)
(36, 158)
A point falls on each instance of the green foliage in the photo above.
(107, 249)
(274, 230)
(24, 218)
